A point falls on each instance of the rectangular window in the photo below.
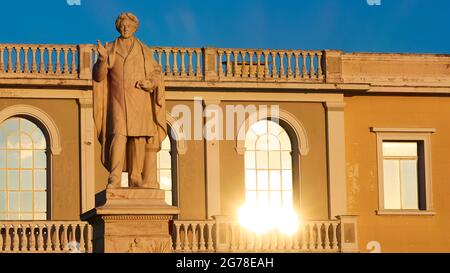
(404, 171)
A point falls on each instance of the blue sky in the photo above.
(349, 25)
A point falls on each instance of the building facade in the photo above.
(358, 148)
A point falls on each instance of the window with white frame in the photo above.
(23, 171)
(404, 172)
(268, 165)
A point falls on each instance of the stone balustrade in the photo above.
(225, 235)
(45, 237)
(178, 64)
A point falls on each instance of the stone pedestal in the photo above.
(132, 220)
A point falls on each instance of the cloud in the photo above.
(74, 2)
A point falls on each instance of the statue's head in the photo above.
(127, 24)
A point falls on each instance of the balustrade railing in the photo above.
(224, 235)
(178, 64)
(45, 237)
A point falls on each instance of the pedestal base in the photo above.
(132, 220)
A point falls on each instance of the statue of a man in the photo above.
(129, 107)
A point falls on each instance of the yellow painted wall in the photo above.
(65, 166)
(397, 233)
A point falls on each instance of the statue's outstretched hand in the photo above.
(147, 85)
(102, 51)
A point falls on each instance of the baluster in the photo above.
(202, 237)
(10, 49)
(289, 69)
(198, 72)
(167, 71)
(66, 62)
(26, 68)
(297, 68)
(250, 68)
(33, 60)
(74, 66)
(183, 66)
(229, 69)
(274, 65)
(177, 236)
(243, 65)
(195, 243)
(312, 239)
(20, 238)
(58, 62)
(82, 238)
(18, 68)
(89, 239)
(210, 237)
(32, 238)
(42, 61)
(50, 60)
(258, 64)
(304, 64)
(233, 236)
(187, 245)
(304, 237)
(190, 66)
(242, 238)
(2, 61)
(220, 52)
(235, 64)
(319, 65)
(38, 238)
(320, 241)
(266, 65)
(16, 239)
(282, 73)
(250, 240)
(311, 67)
(335, 239)
(8, 238)
(159, 51)
(327, 235)
(63, 238)
(175, 62)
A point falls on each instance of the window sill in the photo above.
(406, 212)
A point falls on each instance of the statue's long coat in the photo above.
(120, 107)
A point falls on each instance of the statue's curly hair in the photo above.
(126, 15)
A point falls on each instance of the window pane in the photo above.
(260, 127)
(26, 216)
(391, 184)
(2, 139)
(250, 160)
(39, 139)
(286, 160)
(262, 160)
(274, 128)
(26, 180)
(13, 201)
(263, 180)
(2, 158)
(250, 140)
(13, 159)
(26, 159)
(250, 180)
(165, 145)
(40, 216)
(275, 199)
(2, 180)
(168, 197)
(13, 141)
(26, 202)
(274, 160)
(27, 126)
(40, 201)
(3, 216)
(13, 180)
(2, 201)
(410, 198)
(261, 143)
(285, 141)
(165, 179)
(399, 148)
(275, 180)
(40, 159)
(11, 125)
(263, 198)
(40, 180)
(25, 142)
(286, 176)
(273, 143)
(287, 199)
(165, 160)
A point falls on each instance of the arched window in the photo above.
(23, 171)
(268, 165)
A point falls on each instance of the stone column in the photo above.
(132, 220)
